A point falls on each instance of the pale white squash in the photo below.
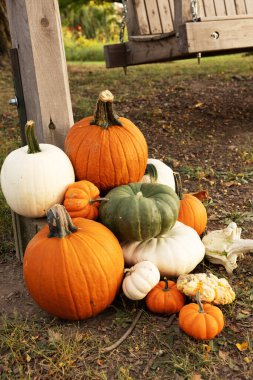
(177, 252)
(34, 182)
(140, 279)
(157, 171)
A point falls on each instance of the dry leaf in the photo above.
(223, 355)
(198, 105)
(54, 336)
(247, 360)
(196, 376)
(242, 346)
(28, 358)
(201, 195)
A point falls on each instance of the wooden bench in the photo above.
(172, 29)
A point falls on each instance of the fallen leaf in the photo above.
(242, 346)
(28, 358)
(201, 195)
(223, 355)
(247, 360)
(54, 336)
(198, 105)
(196, 376)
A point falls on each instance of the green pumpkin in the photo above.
(140, 211)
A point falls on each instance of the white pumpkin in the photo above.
(140, 279)
(177, 252)
(33, 182)
(157, 171)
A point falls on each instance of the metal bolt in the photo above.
(215, 35)
(13, 102)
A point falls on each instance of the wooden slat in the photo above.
(172, 9)
(209, 8)
(201, 10)
(232, 35)
(142, 16)
(166, 16)
(230, 7)
(225, 18)
(240, 7)
(220, 9)
(249, 6)
(183, 12)
(132, 22)
(153, 17)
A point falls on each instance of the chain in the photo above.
(194, 5)
(123, 21)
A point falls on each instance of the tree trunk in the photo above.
(4, 29)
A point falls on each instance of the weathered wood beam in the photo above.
(35, 28)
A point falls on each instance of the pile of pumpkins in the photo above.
(74, 266)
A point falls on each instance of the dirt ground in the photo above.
(203, 128)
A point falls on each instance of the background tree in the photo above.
(4, 29)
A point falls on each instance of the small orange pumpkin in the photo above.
(192, 212)
(165, 298)
(201, 321)
(73, 271)
(107, 150)
(82, 200)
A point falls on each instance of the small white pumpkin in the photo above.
(157, 171)
(140, 279)
(35, 177)
(177, 252)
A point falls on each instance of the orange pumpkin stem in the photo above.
(104, 115)
(166, 289)
(201, 309)
(59, 222)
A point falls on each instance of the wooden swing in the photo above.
(163, 30)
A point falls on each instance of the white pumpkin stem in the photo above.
(151, 171)
(32, 142)
(59, 222)
(104, 115)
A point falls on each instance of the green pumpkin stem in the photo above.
(105, 115)
(32, 142)
(166, 288)
(178, 183)
(201, 309)
(152, 172)
(59, 222)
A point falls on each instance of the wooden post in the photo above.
(35, 29)
(183, 13)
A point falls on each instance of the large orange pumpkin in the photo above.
(165, 298)
(201, 321)
(192, 212)
(73, 271)
(105, 149)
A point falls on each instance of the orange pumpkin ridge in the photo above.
(192, 212)
(107, 150)
(201, 321)
(73, 271)
(165, 298)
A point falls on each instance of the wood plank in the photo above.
(183, 12)
(201, 9)
(209, 8)
(220, 9)
(166, 16)
(230, 7)
(142, 17)
(240, 7)
(153, 17)
(232, 35)
(132, 21)
(225, 18)
(249, 6)
(172, 10)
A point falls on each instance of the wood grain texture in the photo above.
(249, 6)
(36, 32)
(230, 7)
(153, 17)
(220, 9)
(240, 7)
(209, 8)
(165, 16)
(142, 18)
